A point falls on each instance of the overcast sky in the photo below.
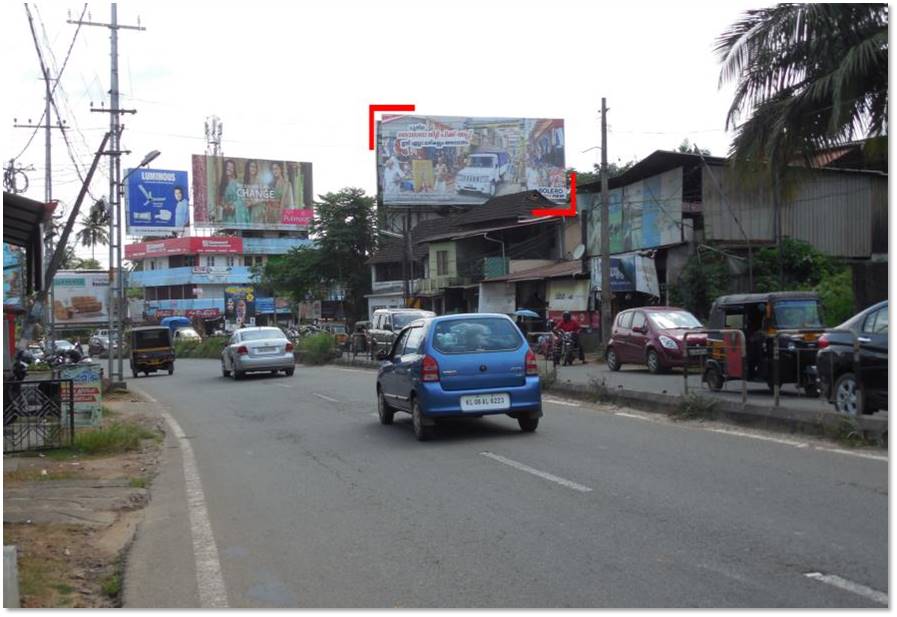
(293, 81)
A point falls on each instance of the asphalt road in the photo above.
(314, 504)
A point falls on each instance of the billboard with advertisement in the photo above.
(630, 272)
(642, 215)
(13, 274)
(156, 201)
(80, 297)
(217, 245)
(441, 160)
(239, 304)
(238, 193)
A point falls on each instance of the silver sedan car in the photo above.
(257, 350)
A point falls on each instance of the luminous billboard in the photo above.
(238, 193)
(156, 201)
(80, 297)
(438, 160)
(644, 214)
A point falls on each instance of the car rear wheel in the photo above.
(224, 371)
(422, 432)
(613, 363)
(290, 371)
(848, 397)
(654, 366)
(237, 374)
(385, 412)
(528, 424)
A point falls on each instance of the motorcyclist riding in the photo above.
(568, 324)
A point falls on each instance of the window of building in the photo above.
(190, 260)
(441, 263)
(152, 264)
(229, 260)
(210, 260)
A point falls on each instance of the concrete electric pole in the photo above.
(606, 317)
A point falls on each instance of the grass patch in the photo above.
(60, 454)
(111, 586)
(847, 432)
(137, 483)
(28, 475)
(317, 349)
(41, 582)
(694, 407)
(599, 392)
(110, 413)
(210, 347)
(112, 439)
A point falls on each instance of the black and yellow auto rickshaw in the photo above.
(151, 350)
(780, 328)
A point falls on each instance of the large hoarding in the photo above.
(238, 193)
(239, 305)
(193, 245)
(642, 215)
(156, 201)
(80, 297)
(439, 160)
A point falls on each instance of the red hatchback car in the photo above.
(653, 336)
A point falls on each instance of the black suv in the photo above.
(856, 389)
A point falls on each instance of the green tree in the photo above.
(614, 169)
(704, 277)
(688, 147)
(807, 76)
(87, 264)
(95, 227)
(344, 229)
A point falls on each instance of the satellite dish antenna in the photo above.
(579, 251)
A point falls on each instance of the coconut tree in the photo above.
(808, 77)
(95, 227)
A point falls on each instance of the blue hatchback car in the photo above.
(471, 364)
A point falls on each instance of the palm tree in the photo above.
(95, 227)
(809, 76)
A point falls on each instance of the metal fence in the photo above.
(38, 414)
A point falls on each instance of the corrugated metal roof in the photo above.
(457, 235)
(560, 269)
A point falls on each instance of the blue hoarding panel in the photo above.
(157, 201)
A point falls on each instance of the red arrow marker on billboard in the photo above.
(372, 109)
(571, 211)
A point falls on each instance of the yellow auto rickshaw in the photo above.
(151, 350)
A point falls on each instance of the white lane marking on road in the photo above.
(283, 385)
(325, 397)
(557, 401)
(209, 580)
(843, 583)
(787, 442)
(874, 457)
(630, 415)
(542, 474)
(352, 370)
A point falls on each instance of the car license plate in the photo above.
(266, 349)
(697, 351)
(486, 402)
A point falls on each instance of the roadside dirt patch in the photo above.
(73, 516)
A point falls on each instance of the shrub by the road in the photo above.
(114, 438)
(210, 347)
(317, 348)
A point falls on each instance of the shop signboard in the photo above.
(240, 193)
(443, 160)
(87, 391)
(13, 275)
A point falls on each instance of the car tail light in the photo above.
(531, 367)
(429, 369)
(242, 350)
(289, 347)
(823, 341)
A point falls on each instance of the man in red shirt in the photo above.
(568, 324)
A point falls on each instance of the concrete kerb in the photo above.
(819, 423)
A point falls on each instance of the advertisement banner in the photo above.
(642, 215)
(80, 297)
(13, 275)
(156, 201)
(498, 297)
(237, 193)
(309, 311)
(439, 160)
(87, 391)
(217, 245)
(239, 305)
(568, 295)
(628, 273)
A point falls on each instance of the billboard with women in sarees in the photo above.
(240, 193)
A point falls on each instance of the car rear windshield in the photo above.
(674, 319)
(152, 338)
(400, 320)
(476, 335)
(796, 314)
(256, 335)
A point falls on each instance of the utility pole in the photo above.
(116, 283)
(605, 232)
(48, 181)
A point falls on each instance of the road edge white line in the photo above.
(542, 474)
(209, 579)
(555, 401)
(787, 442)
(324, 397)
(873, 457)
(842, 583)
